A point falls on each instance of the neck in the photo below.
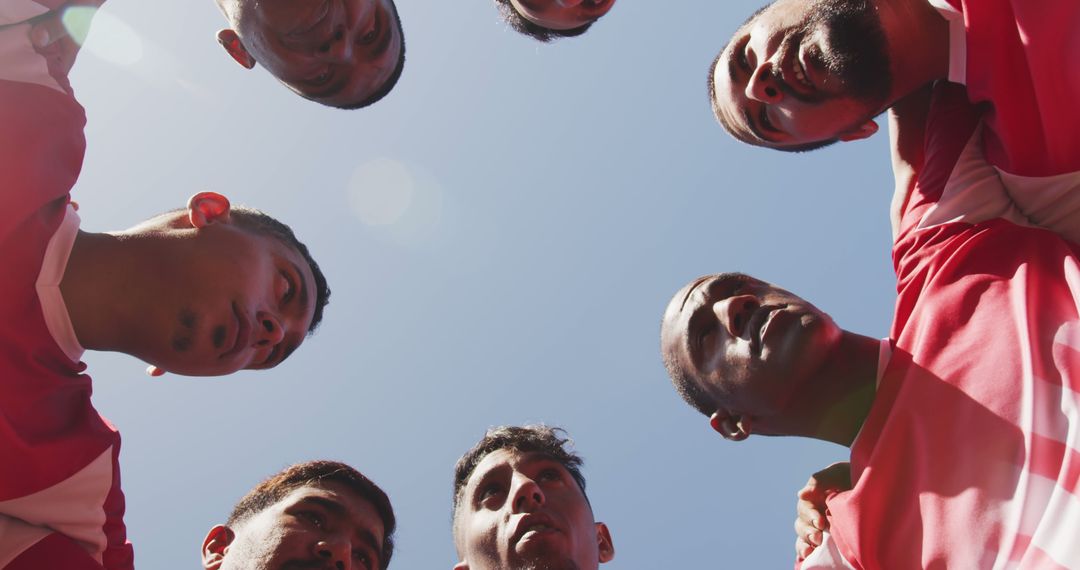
(918, 40)
(836, 400)
(102, 293)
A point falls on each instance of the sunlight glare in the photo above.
(113, 41)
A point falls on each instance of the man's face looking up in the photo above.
(225, 297)
(747, 345)
(562, 14)
(335, 52)
(525, 511)
(803, 71)
(315, 526)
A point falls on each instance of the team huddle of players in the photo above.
(962, 422)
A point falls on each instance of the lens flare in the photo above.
(402, 202)
(113, 40)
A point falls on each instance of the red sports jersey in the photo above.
(60, 500)
(1020, 57)
(969, 456)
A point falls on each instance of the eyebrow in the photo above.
(472, 493)
(337, 509)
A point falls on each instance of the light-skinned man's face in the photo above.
(748, 344)
(525, 511)
(226, 297)
(326, 526)
(562, 14)
(334, 52)
(803, 71)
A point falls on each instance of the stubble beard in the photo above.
(857, 49)
(564, 564)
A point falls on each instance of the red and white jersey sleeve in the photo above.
(1020, 59)
(1017, 60)
(970, 456)
(60, 500)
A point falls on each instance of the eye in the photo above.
(290, 288)
(321, 79)
(740, 55)
(702, 337)
(550, 474)
(363, 558)
(373, 34)
(489, 491)
(740, 285)
(315, 519)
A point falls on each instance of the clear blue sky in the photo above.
(501, 235)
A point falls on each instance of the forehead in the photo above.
(728, 84)
(353, 508)
(508, 461)
(510, 458)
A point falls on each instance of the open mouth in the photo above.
(800, 73)
(534, 530)
(533, 525)
(794, 70)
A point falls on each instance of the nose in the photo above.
(527, 495)
(268, 331)
(762, 85)
(734, 312)
(341, 47)
(336, 551)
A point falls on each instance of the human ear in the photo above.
(206, 208)
(861, 132)
(232, 44)
(154, 371)
(732, 428)
(215, 545)
(461, 566)
(603, 540)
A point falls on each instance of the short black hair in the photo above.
(260, 222)
(391, 81)
(552, 442)
(520, 24)
(314, 474)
